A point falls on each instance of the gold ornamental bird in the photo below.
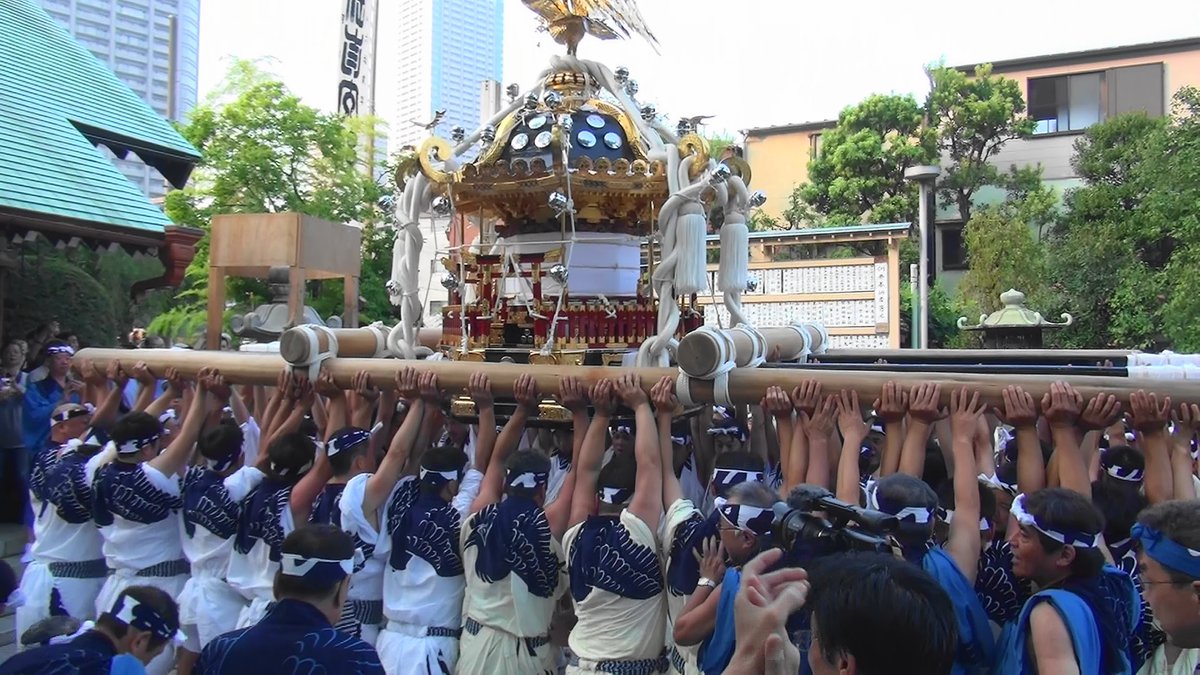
(568, 21)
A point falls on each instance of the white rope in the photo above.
(726, 352)
(683, 390)
(758, 355)
(380, 332)
(552, 330)
(733, 272)
(315, 356)
(721, 390)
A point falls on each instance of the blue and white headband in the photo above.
(69, 414)
(136, 445)
(622, 429)
(224, 463)
(914, 514)
(346, 439)
(730, 477)
(615, 495)
(1166, 552)
(1125, 473)
(947, 516)
(681, 440)
(527, 479)
(60, 349)
(434, 477)
(735, 431)
(1064, 537)
(284, 472)
(750, 518)
(320, 572)
(141, 616)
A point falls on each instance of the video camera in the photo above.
(844, 527)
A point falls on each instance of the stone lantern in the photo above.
(1013, 326)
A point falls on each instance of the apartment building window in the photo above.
(814, 145)
(954, 249)
(1075, 102)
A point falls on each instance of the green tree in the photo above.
(1004, 254)
(264, 151)
(859, 174)
(975, 117)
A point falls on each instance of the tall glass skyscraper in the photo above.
(152, 45)
(446, 49)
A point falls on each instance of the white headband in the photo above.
(1024, 518)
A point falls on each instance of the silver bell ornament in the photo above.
(513, 91)
(449, 281)
(558, 272)
(622, 74)
(631, 88)
(649, 112)
(758, 198)
(566, 123)
(488, 134)
(531, 102)
(751, 284)
(558, 202)
(719, 175)
(683, 128)
(457, 134)
(441, 205)
(553, 100)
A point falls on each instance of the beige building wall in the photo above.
(779, 158)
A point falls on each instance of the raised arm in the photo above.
(1020, 413)
(924, 408)
(1061, 407)
(361, 401)
(146, 385)
(891, 406)
(666, 405)
(106, 413)
(310, 485)
(778, 405)
(173, 460)
(1149, 418)
(820, 429)
(646, 503)
(270, 410)
(805, 400)
(380, 484)
(963, 546)
(241, 414)
(573, 396)
(854, 431)
(1181, 451)
(492, 452)
(587, 469)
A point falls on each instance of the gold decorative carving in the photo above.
(442, 150)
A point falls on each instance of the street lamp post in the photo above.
(924, 176)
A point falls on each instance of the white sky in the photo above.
(748, 62)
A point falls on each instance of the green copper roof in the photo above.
(56, 101)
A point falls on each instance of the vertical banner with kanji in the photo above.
(356, 60)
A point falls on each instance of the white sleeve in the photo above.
(108, 454)
(467, 492)
(681, 510)
(241, 482)
(160, 480)
(285, 519)
(251, 436)
(350, 504)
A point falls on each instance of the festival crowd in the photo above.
(303, 528)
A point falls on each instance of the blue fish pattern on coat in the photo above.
(124, 490)
(1000, 592)
(261, 518)
(605, 556)
(426, 526)
(89, 654)
(514, 536)
(327, 510)
(206, 502)
(683, 569)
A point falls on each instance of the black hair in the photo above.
(868, 461)
(900, 491)
(323, 540)
(154, 342)
(620, 472)
(220, 442)
(892, 617)
(442, 458)
(134, 425)
(341, 462)
(154, 598)
(1063, 509)
(1179, 521)
(681, 427)
(1119, 502)
(739, 461)
(1006, 472)
(8, 581)
(66, 335)
(804, 496)
(289, 454)
(308, 427)
(935, 472)
(525, 461)
(1126, 458)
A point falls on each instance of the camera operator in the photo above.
(745, 529)
(871, 614)
(914, 503)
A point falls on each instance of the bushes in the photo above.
(48, 288)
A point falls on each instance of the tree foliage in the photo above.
(263, 151)
(859, 174)
(975, 117)
(53, 288)
(1123, 260)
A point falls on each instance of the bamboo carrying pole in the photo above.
(352, 342)
(746, 385)
(700, 353)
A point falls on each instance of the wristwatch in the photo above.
(705, 581)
